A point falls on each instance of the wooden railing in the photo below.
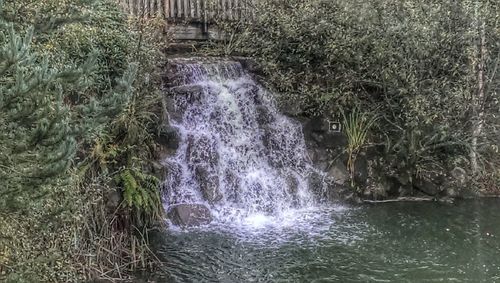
(190, 10)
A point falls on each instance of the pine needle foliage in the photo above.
(78, 92)
(37, 140)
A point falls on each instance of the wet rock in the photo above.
(209, 184)
(338, 171)
(313, 155)
(459, 175)
(323, 165)
(189, 215)
(249, 64)
(249, 90)
(456, 183)
(273, 144)
(169, 137)
(316, 184)
(334, 141)
(202, 150)
(376, 190)
(159, 170)
(361, 169)
(178, 99)
(429, 185)
(317, 137)
(319, 155)
(232, 186)
(190, 93)
(174, 112)
(264, 116)
(315, 125)
(170, 187)
(289, 107)
(452, 192)
(292, 184)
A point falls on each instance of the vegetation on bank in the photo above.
(427, 71)
(79, 104)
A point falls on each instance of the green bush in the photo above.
(415, 64)
(78, 109)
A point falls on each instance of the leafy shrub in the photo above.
(84, 114)
(413, 63)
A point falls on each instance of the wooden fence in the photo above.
(190, 10)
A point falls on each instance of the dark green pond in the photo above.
(399, 242)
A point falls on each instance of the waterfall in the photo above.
(238, 155)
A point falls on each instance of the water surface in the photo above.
(399, 242)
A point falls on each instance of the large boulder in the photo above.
(169, 137)
(430, 185)
(189, 215)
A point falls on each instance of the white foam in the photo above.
(235, 132)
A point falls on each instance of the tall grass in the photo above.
(357, 125)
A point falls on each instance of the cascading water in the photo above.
(238, 155)
(246, 164)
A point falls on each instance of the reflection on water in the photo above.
(404, 242)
